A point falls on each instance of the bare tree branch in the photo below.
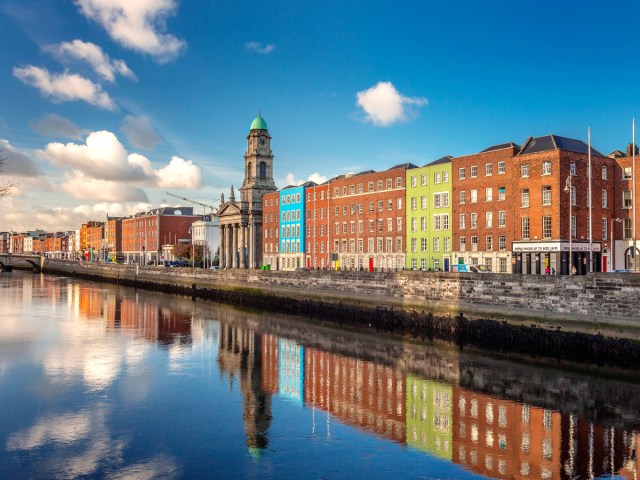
(5, 185)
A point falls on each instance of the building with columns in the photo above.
(241, 219)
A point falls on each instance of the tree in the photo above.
(5, 185)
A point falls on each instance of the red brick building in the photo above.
(144, 234)
(37, 244)
(318, 244)
(483, 212)
(16, 245)
(625, 228)
(551, 185)
(95, 240)
(113, 234)
(271, 229)
(501, 439)
(359, 393)
(368, 219)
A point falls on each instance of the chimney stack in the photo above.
(630, 149)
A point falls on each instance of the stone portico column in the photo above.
(234, 261)
(221, 257)
(241, 244)
(253, 245)
(223, 246)
(227, 246)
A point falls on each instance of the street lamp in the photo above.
(568, 188)
(613, 258)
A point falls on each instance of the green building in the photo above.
(430, 417)
(429, 215)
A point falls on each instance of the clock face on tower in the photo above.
(262, 140)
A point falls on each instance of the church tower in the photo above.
(241, 221)
(258, 165)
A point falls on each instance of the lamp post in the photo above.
(569, 188)
(613, 258)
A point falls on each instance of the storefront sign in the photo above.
(554, 247)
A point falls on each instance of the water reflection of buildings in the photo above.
(166, 325)
(486, 434)
(429, 417)
(241, 351)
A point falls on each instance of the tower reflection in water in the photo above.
(493, 435)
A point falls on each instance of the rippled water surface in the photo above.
(98, 381)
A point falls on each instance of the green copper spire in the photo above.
(258, 123)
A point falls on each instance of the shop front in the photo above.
(555, 258)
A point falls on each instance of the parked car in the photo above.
(178, 263)
(471, 268)
(623, 270)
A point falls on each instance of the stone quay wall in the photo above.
(593, 301)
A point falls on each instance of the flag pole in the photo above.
(590, 205)
(633, 204)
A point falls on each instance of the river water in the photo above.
(100, 381)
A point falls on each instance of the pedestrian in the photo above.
(547, 271)
(573, 270)
(553, 271)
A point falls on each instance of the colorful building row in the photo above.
(516, 209)
(145, 238)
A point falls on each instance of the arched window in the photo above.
(263, 170)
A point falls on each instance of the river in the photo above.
(101, 381)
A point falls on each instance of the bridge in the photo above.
(9, 260)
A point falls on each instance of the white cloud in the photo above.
(64, 87)
(140, 132)
(314, 177)
(52, 125)
(384, 105)
(17, 163)
(179, 173)
(79, 186)
(102, 157)
(137, 25)
(258, 48)
(103, 170)
(317, 178)
(93, 55)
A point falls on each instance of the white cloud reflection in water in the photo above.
(63, 429)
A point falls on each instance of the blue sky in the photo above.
(108, 104)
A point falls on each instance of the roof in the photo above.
(406, 166)
(617, 154)
(169, 211)
(501, 146)
(445, 159)
(258, 123)
(556, 142)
